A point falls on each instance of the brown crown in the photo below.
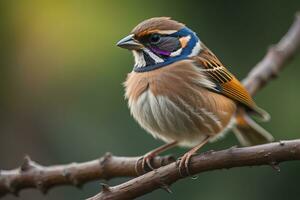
(156, 24)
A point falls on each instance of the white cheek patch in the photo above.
(153, 56)
(139, 59)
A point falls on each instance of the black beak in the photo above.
(129, 43)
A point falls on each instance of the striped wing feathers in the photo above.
(228, 84)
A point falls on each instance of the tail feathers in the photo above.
(248, 132)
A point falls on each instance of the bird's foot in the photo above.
(146, 165)
(184, 162)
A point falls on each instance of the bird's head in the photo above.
(160, 41)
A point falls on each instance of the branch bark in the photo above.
(275, 60)
(33, 175)
(268, 154)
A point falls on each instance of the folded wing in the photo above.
(226, 82)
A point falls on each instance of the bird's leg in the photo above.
(147, 158)
(185, 159)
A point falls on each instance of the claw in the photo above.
(184, 164)
(136, 167)
(147, 158)
(185, 160)
(146, 164)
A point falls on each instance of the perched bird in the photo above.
(181, 93)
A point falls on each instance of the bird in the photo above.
(181, 93)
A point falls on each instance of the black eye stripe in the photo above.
(167, 43)
(151, 38)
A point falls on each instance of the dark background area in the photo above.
(62, 98)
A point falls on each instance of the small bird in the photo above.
(181, 93)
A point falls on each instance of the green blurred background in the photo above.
(62, 98)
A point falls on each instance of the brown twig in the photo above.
(269, 154)
(32, 175)
(275, 60)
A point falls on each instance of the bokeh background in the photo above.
(62, 95)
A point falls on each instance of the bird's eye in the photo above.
(154, 38)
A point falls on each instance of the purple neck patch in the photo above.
(161, 52)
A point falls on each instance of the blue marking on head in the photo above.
(186, 52)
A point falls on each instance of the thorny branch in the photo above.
(268, 154)
(275, 60)
(33, 175)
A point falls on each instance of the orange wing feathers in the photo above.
(235, 90)
(228, 84)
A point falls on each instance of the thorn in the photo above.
(166, 188)
(163, 185)
(275, 166)
(27, 164)
(281, 143)
(105, 187)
